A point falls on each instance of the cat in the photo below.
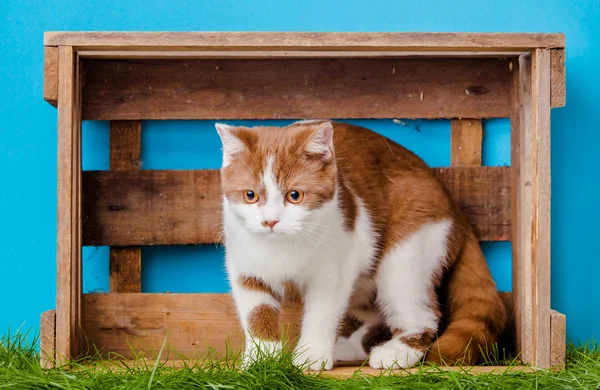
(367, 234)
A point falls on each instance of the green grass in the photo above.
(20, 369)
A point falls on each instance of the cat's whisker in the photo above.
(316, 237)
(327, 234)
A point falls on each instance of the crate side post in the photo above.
(530, 142)
(68, 282)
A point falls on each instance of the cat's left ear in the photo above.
(320, 142)
(232, 144)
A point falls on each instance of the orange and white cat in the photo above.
(369, 237)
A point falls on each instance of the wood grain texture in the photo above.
(466, 137)
(558, 91)
(355, 371)
(125, 145)
(125, 154)
(126, 324)
(151, 207)
(558, 343)
(68, 282)
(301, 40)
(530, 135)
(184, 207)
(296, 88)
(47, 338)
(51, 75)
(193, 323)
(341, 370)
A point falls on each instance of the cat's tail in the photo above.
(475, 316)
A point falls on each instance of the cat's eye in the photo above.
(250, 196)
(294, 196)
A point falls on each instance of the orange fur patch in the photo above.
(256, 284)
(263, 323)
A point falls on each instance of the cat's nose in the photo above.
(271, 224)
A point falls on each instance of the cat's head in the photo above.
(278, 181)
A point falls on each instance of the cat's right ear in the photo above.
(232, 144)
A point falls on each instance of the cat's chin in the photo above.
(271, 234)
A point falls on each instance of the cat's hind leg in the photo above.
(406, 296)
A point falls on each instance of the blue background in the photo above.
(28, 136)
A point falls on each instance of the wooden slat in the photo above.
(184, 207)
(123, 323)
(125, 154)
(296, 88)
(341, 370)
(466, 138)
(51, 74)
(483, 193)
(530, 126)
(305, 41)
(355, 371)
(127, 324)
(558, 92)
(558, 343)
(68, 282)
(47, 338)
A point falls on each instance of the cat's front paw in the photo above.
(394, 354)
(258, 350)
(313, 358)
(348, 350)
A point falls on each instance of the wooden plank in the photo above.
(51, 74)
(355, 371)
(302, 41)
(125, 154)
(272, 54)
(184, 207)
(296, 88)
(558, 91)
(341, 370)
(530, 127)
(483, 193)
(47, 338)
(558, 343)
(129, 324)
(68, 209)
(194, 323)
(466, 137)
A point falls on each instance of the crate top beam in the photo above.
(268, 46)
(300, 41)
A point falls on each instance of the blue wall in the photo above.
(28, 134)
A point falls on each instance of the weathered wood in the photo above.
(151, 207)
(558, 92)
(128, 323)
(303, 41)
(47, 338)
(530, 135)
(51, 74)
(125, 145)
(355, 371)
(125, 154)
(68, 282)
(296, 88)
(558, 343)
(466, 138)
(341, 370)
(184, 207)
(483, 193)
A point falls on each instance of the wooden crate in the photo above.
(128, 77)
